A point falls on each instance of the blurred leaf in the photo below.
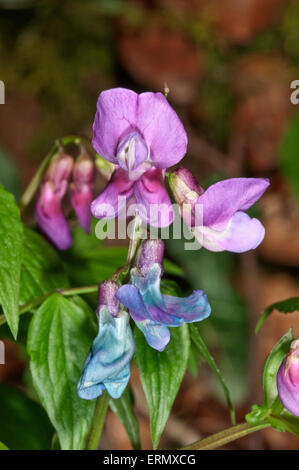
(123, 408)
(271, 366)
(227, 327)
(42, 272)
(9, 176)
(23, 422)
(284, 306)
(59, 339)
(11, 247)
(161, 374)
(198, 340)
(289, 155)
(3, 446)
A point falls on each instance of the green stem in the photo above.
(226, 436)
(39, 300)
(98, 421)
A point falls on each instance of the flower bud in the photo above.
(81, 189)
(186, 191)
(150, 252)
(107, 291)
(288, 379)
(48, 213)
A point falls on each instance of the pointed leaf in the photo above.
(123, 408)
(11, 245)
(198, 340)
(284, 306)
(161, 374)
(59, 338)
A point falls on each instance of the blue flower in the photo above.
(154, 312)
(108, 363)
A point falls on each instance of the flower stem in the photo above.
(98, 422)
(226, 436)
(39, 300)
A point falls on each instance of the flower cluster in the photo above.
(142, 136)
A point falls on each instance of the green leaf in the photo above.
(11, 235)
(23, 422)
(161, 374)
(59, 339)
(123, 408)
(284, 306)
(198, 340)
(271, 366)
(42, 269)
(289, 155)
(3, 446)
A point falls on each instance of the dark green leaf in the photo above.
(161, 374)
(284, 306)
(271, 367)
(42, 270)
(11, 247)
(23, 422)
(59, 338)
(289, 155)
(123, 408)
(198, 340)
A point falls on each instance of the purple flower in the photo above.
(143, 136)
(107, 366)
(152, 311)
(81, 189)
(288, 379)
(48, 213)
(217, 216)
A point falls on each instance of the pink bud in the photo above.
(82, 189)
(107, 291)
(288, 379)
(186, 191)
(150, 252)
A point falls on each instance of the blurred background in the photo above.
(229, 65)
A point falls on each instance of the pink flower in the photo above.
(82, 188)
(142, 135)
(288, 379)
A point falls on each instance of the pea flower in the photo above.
(48, 212)
(82, 188)
(142, 135)
(217, 216)
(288, 379)
(107, 366)
(152, 311)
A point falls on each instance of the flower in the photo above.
(142, 135)
(81, 189)
(288, 379)
(108, 363)
(217, 216)
(48, 213)
(152, 311)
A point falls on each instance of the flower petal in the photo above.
(221, 200)
(130, 297)
(115, 117)
(156, 334)
(50, 218)
(114, 197)
(241, 234)
(288, 390)
(81, 201)
(162, 129)
(154, 204)
(109, 357)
